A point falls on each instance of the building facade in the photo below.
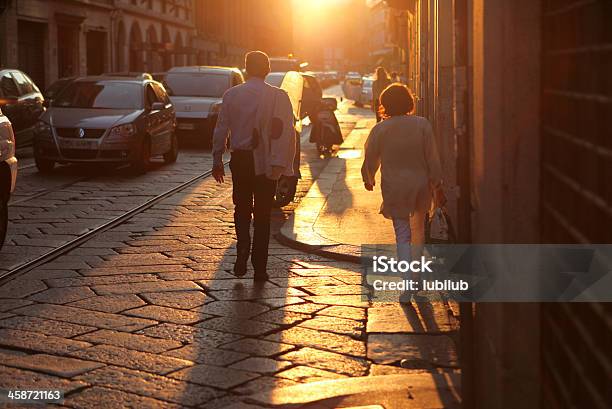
(228, 29)
(393, 33)
(54, 39)
(57, 38)
(519, 96)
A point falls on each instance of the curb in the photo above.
(331, 249)
(323, 250)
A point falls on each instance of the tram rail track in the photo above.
(83, 238)
(49, 190)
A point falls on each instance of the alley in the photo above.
(148, 313)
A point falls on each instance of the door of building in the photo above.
(96, 52)
(31, 43)
(67, 50)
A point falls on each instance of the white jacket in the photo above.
(275, 125)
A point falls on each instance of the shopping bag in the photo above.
(438, 227)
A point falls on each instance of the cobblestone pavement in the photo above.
(48, 210)
(148, 314)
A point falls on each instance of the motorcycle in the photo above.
(326, 132)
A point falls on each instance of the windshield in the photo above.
(197, 85)
(56, 87)
(102, 95)
(275, 79)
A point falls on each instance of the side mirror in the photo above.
(47, 103)
(330, 104)
(157, 106)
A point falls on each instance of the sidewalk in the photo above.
(333, 220)
(338, 214)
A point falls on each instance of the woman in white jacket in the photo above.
(404, 148)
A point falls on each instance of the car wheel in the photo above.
(172, 154)
(141, 164)
(3, 220)
(285, 191)
(44, 165)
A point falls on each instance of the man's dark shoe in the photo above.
(240, 267)
(260, 276)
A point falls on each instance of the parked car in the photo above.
(8, 171)
(22, 102)
(351, 87)
(107, 119)
(365, 97)
(197, 94)
(129, 74)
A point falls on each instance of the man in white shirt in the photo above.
(258, 119)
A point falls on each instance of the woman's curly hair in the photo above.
(396, 99)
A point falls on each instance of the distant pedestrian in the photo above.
(381, 82)
(395, 77)
(258, 119)
(404, 147)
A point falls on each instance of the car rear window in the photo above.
(197, 85)
(101, 94)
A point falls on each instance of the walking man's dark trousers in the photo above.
(252, 196)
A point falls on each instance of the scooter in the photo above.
(326, 131)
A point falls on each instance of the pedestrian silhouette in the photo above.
(258, 120)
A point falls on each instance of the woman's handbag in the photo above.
(438, 227)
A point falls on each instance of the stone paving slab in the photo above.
(85, 317)
(53, 365)
(129, 341)
(150, 385)
(431, 318)
(45, 326)
(37, 342)
(420, 351)
(425, 391)
(218, 377)
(14, 378)
(144, 361)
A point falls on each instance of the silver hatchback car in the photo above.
(107, 119)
